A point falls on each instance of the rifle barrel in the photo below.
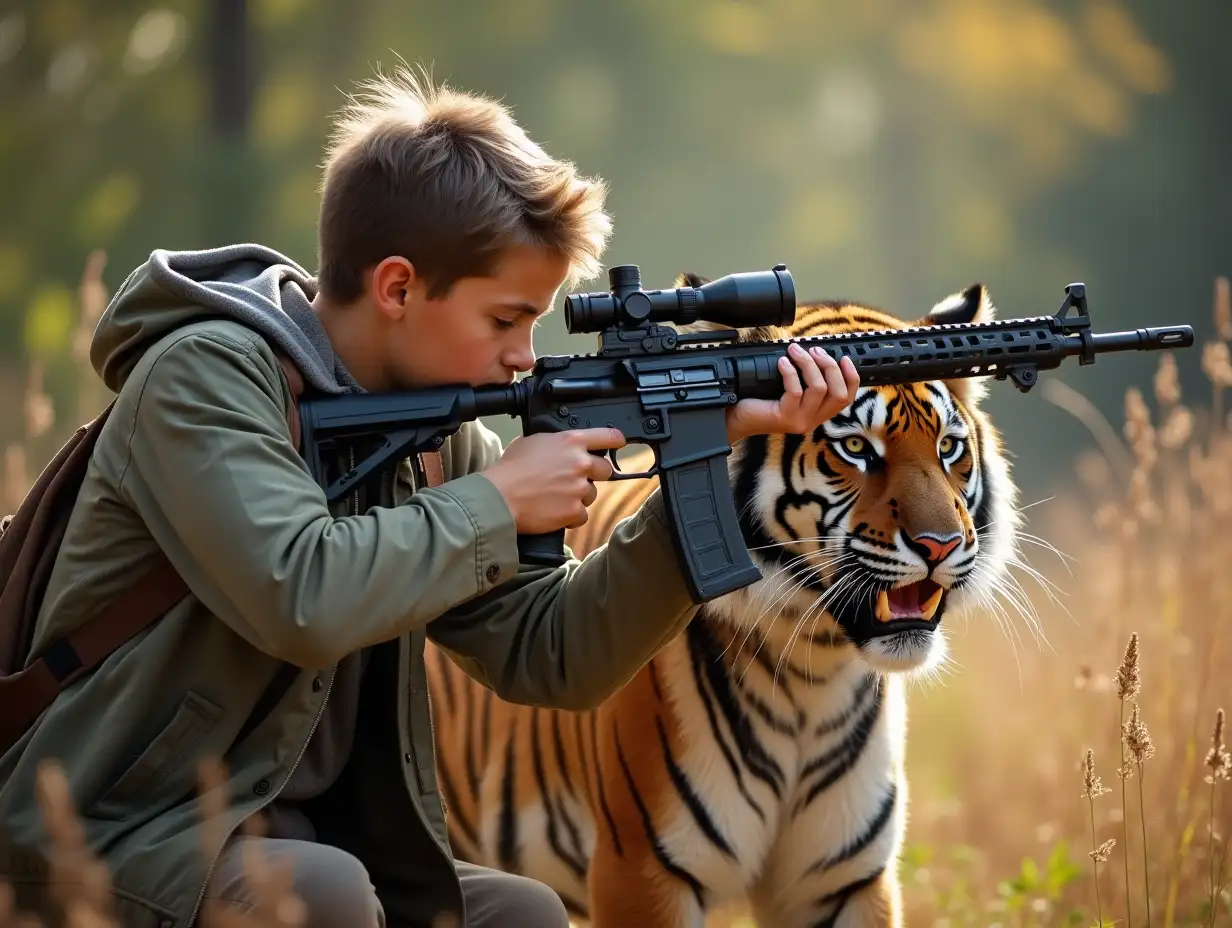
(1152, 338)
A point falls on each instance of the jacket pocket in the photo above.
(160, 766)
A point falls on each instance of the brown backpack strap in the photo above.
(433, 468)
(295, 380)
(28, 692)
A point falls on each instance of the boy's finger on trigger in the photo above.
(600, 468)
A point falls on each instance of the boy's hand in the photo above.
(547, 479)
(829, 388)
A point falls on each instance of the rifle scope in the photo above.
(740, 300)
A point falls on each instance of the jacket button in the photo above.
(317, 683)
(407, 757)
(262, 787)
(493, 573)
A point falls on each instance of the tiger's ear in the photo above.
(761, 333)
(972, 305)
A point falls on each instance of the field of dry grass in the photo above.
(1070, 767)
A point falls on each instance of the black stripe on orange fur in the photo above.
(507, 842)
(688, 795)
(737, 769)
(652, 836)
(554, 812)
(708, 667)
(607, 811)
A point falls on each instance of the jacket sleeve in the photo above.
(570, 636)
(212, 472)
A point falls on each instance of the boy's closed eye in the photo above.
(505, 319)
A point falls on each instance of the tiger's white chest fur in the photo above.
(795, 764)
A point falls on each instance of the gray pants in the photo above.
(338, 892)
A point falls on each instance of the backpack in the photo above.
(30, 539)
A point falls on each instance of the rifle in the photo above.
(670, 390)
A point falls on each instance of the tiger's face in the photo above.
(893, 515)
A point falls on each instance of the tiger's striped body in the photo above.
(758, 757)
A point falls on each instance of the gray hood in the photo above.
(252, 284)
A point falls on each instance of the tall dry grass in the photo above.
(1074, 774)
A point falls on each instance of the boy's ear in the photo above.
(393, 283)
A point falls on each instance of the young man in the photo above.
(445, 235)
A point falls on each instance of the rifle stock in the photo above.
(670, 390)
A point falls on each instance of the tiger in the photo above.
(757, 760)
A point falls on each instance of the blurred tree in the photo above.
(229, 163)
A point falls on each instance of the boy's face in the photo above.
(481, 331)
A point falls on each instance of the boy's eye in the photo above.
(505, 323)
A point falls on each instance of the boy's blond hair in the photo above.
(449, 181)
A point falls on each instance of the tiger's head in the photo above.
(896, 513)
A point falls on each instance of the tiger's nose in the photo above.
(933, 547)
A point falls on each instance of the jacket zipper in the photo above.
(209, 873)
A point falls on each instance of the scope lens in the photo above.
(589, 312)
(572, 311)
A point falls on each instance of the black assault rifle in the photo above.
(670, 390)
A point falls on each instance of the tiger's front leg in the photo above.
(631, 888)
(877, 905)
(872, 902)
(644, 870)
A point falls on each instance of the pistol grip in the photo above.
(545, 550)
(706, 528)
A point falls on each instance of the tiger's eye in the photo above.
(854, 444)
(947, 445)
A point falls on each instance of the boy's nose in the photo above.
(520, 360)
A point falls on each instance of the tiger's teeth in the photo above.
(883, 607)
(930, 607)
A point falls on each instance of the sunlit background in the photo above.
(889, 151)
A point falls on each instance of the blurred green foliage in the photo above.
(890, 151)
(1032, 898)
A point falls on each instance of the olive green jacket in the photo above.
(196, 459)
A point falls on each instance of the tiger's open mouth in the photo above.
(909, 605)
